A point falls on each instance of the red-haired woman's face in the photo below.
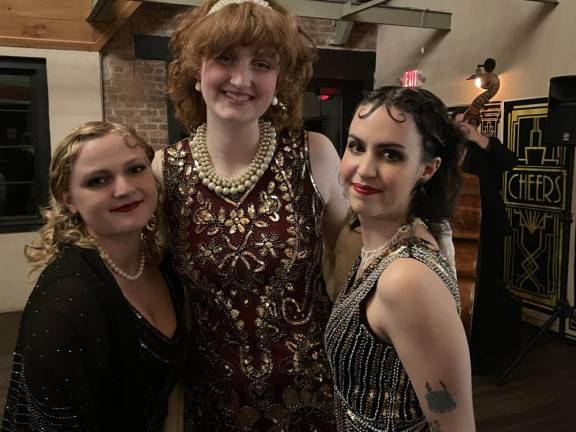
(238, 85)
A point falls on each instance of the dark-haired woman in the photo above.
(396, 345)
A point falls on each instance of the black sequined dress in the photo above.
(253, 267)
(373, 392)
(85, 359)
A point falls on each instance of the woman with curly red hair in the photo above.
(250, 200)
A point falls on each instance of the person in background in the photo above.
(101, 340)
(395, 341)
(496, 318)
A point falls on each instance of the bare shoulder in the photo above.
(158, 164)
(319, 143)
(408, 284)
(323, 154)
(324, 161)
(325, 167)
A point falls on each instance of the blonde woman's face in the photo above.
(112, 187)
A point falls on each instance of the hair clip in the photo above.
(223, 3)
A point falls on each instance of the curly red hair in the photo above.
(199, 36)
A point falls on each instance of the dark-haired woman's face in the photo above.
(383, 164)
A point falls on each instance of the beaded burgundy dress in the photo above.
(258, 305)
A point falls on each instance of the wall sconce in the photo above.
(487, 80)
(482, 79)
(476, 77)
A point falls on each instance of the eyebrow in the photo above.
(380, 144)
(266, 53)
(106, 171)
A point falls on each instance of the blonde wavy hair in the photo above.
(63, 227)
(199, 36)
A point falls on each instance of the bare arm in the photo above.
(413, 308)
(158, 170)
(443, 235)
(473, 134)
(325, 164)
(158, 165)
(499, 156)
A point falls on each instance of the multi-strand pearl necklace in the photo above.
(104, 255)
(233, 185)
(368, 256)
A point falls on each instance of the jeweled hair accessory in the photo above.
(223, 3)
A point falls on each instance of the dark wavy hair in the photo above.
(440, 138)
(200, 35)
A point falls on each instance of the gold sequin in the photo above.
(251, 264)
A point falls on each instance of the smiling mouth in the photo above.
(127, 207)
(237, 97)
(365, 190)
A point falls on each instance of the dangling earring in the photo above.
(422, 189)
(151, 223)
(198, 87)
(275, 101)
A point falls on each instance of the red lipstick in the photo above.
(127, 207)
(364, 189)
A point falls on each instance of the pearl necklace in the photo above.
(233, 185)
(104, 255)
(368, 256)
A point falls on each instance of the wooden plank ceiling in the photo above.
(61, 24)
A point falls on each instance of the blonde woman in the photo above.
(101, 340)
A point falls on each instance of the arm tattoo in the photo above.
(439, 401)
(435, 426)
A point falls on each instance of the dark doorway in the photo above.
(340, 80)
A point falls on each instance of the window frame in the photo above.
(40, 134)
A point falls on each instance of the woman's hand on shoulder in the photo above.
(414, 309)
(325, 164)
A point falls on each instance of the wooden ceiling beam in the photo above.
(61, 24)
(121, 11)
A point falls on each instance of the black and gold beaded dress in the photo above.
(86, 359)
(373, 393)
(252, 267)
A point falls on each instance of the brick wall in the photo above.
(135, 90)
(362, 36)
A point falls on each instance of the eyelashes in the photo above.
(101, 180)
(386, 154)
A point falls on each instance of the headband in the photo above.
(223, 3)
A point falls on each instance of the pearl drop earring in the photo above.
(275, 101)
(197, 86)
